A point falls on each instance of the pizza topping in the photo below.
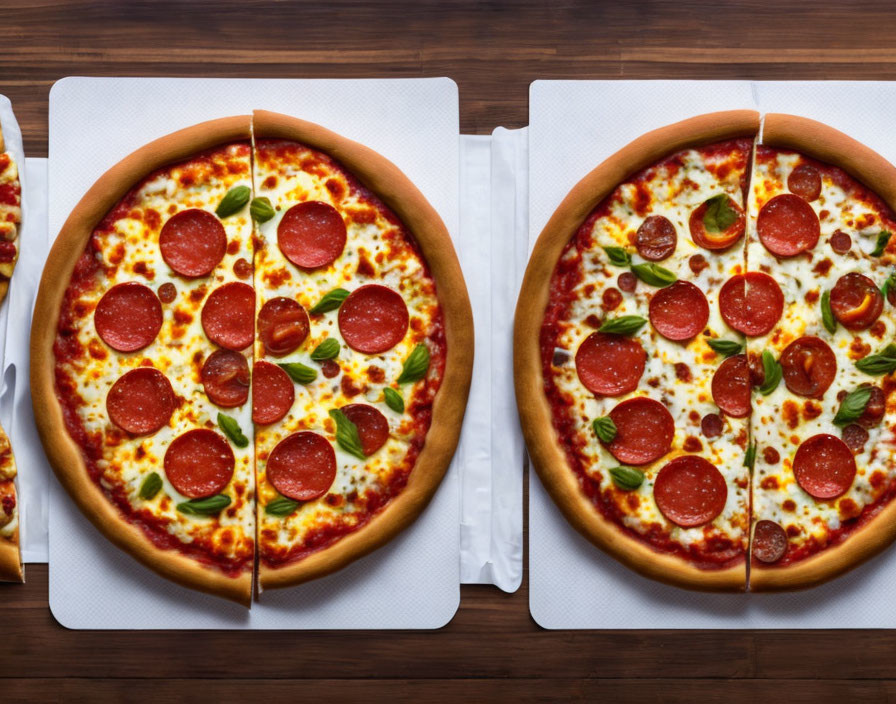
(281, 507)
(827, 315)
(627, 282)
(805, 181)
(199, 463)
(141, 401)
(853, 406)
(731, 386)
(809, 366)
(393, 400)
(299, 373)
(841, 243)
(653, 274)
(302, 466)
(882, 240)
(610, 365)
(128, 317)
(884, 362)
(193, 242)
(656, 238)
(874, 408)
(233, 201)
(679, 311)
(618, 256)
(211, 506)
(711, 425)
(328, 349)
(772, 372)
(690, 491)
(282, 326)
(329, 368)
(611, 298)
(225, 378)
(330, 301)
(228, 316)
(150, 486)
(717, 223)
(627, 478)
(373, 428)
(604, 428)
(855, 437)
(726, 348)
(231, 428)
(824, 466)
(751, 303)
(167, 292)
(644, 431)
(273, 395)
(311, 234)
(261, 210)
(242, 268)
(697, 263)
(769, 541)
(856, 301)
(373, 319)
(623, 325)
(415, 366)
(788, 226)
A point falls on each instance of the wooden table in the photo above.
(492, 650)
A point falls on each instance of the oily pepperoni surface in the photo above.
(787, 225)
(679, 311)
(141, 401)
(373, 428)
(769, 541)
(228, 316)
(716, 240)
(856, 301)
(311, 234)
(199, 463)
(805, 181)
(282, 326)
(193, 242)
(644, 431)
(656, 238)
(273, 395)
(751, 303)
(225, 377)
(824, 466)
(731, 386)
(128, 317)
(610, 365)
(302, 466)
(373, 319)
(167, 292)
(690, 491)
(809, 366)
(627, 281)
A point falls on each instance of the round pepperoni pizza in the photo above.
(251, 352)
(703, 353)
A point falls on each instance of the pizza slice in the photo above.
(10, 216)
(11, 568)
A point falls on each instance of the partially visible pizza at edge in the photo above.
(251, 353)
(704, 356)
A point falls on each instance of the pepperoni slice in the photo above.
(225, 377)
(805, 181)
(716, 240)
(282, 326)
(855, 437)
(167, 292)
(751, 303)
(128, 317)
(199, 463)
(302, 466)
(610, 365)
(690, 491)
(824, 466)
(273, 395)
(373, 319)
(856, 302)
(627, 281)
(644, 431)
(711, 425)
(841, 243)
(769, 541)
(141, 401)
(193, 242)
(679, 311)
(731, 386)
(373, 428)
(874, 409)
(656, 238)
(787, 225)
(228, 316)
(311, 234)
(809, 366)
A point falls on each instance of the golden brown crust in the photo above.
(62, 451)
(535, 412)
(396, 190)
(11, 569)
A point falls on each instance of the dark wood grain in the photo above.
(492, 650)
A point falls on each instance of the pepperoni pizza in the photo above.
(251, 353)
(702, 353)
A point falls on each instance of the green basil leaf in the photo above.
(773, 373)
(209, 506)
(623, 325)
(299, 373)
(347, 436)
(415, 366)
(827, 315)
(232, 430)
(750, 456)
(281, 507)
(150, 486)
(604, 428)
(719, 214)
(328, 349)
(889, 285)
(884, 362)
(882, 239)
(261, 209)
(394, 400)
(618, 256)
(233, 201)
(627, 478)
(654, 274)
(331, 301)
(728, 348)
(852, 406)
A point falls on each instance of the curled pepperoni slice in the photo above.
(787, 225)
(610, 365)
(769, 541)
(141, 401)
(679, 311)
(751, 303)
(716, 240)
(690, 491)
(282, 326)
(809, 366)
(731, 386)
(199, 463)
(128, 317)
(273, 393)
(225, 377)
(656, 238)
(193, 242)
(373, 428)
(228, 316)
(874, 409)
(644, 431)
(824, 466)
(311, 234)
(856, 302)
(302, 466)
(373, 319)
(805, 181)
